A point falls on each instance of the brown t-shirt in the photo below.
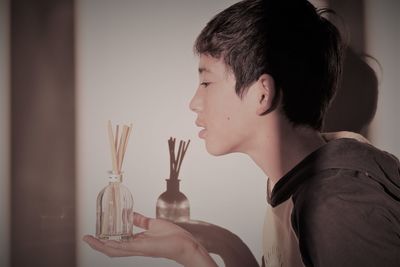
(346, 205)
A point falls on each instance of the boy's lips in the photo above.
(202, 133)
(199, 123)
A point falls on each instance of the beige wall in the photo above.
(383, 42)
(135, 64)
(4, 135)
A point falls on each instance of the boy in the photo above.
(268, 71)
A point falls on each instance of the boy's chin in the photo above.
(216, 150)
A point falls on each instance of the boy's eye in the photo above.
(205, 84)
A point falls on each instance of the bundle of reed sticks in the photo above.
(112, 219)
(176, 161)
(118, 144)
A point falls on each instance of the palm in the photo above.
(161, 239)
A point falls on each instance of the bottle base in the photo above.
(124, 237)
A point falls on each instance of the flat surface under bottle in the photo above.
(115, 237)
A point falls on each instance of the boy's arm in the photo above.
(220, 241)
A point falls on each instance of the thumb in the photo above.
(140, 220)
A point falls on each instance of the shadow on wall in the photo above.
(355, 103)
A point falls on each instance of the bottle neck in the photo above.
(115, 178)
(172, 185)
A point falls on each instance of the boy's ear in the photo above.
(266, 95)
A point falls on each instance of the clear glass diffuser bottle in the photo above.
(114, 210)
(173, 205)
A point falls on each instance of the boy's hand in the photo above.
(161, 239)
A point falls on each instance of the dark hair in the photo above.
(288, 40)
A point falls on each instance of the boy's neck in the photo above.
(282, 146)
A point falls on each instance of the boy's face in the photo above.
(227, 120)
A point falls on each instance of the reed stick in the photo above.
(112, 146)
(118, 145)
(176, 160)
(183, 152)
(170, 156)
(116, 137)
(126, 143)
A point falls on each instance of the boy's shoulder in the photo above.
(347, 165)
(342, 165)
(349, 204)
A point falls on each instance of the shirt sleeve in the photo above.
(346, 225)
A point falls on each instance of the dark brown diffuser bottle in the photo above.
(173, 205)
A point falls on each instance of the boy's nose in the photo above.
(196, 102)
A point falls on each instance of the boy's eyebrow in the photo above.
(202, 69)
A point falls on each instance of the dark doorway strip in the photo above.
(42, 133)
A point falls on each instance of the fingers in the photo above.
(127, 248)
(141, 221)
(112, 248)
(154, 225)
(107, 248)
(92, 241)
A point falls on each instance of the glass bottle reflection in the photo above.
(114, 208)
